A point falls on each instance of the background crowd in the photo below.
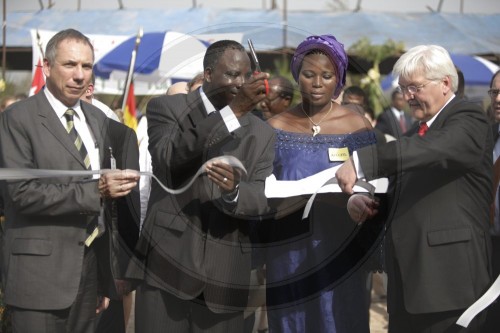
(77, 250)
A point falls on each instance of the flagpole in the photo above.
(39, 43)
(131, 68)
(38, 81)
(4, 37)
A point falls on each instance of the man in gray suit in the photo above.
(51, 259)
(196, 244)
(438, 239)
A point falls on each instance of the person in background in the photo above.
(115, 318)
(145, 165)
(88, 97)
(195, 82)
(183, 87)
(177, 88)
(317, 134)
(7, 101)
(394, 120)
(438, 247)
(354, 95)
(56, 256)
(196, 243)
(369, 114)
(142, 135)
(354, 98)
(460, 92)
(119, 114)
(125, 216)
(493, 320)
(279, 99)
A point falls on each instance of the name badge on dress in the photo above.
(338, 154)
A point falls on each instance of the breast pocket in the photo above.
(170, 221)
(31, 246)
(448, 236)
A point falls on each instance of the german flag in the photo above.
(129, 114)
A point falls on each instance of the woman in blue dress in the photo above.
(312, 284)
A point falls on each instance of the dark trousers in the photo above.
(78, 318)
(492, 324)
(112, 320)
(159, 311)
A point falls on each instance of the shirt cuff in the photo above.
(229, 119)
(233, 196)
(359, 172)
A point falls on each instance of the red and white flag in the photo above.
(38, 79)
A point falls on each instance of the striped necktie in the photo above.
(77, 140)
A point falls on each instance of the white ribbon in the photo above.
(321, 182)
(482, 303)
(22, 174)
(316, 183)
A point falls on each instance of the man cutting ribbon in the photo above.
(438, 245)
(196, 243)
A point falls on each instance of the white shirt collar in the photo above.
(396, 112)
(60, 108)
(209, 107)
(429, 122)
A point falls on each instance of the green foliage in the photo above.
(11, 88)
(376, 54)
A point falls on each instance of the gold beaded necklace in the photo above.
(316, 128)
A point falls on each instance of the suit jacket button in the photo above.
(81, 243)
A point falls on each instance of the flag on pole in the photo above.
(38, 79)
(128, 104)
(129, 114)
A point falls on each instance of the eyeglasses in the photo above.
(494, 93)
(412, 89)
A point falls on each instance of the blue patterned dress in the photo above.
(302, 294)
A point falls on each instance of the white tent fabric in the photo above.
(469, 34)
(458, 33)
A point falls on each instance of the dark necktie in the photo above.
(75, 137)
(402, 123)
(423, 128)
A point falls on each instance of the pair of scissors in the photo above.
(257, 65)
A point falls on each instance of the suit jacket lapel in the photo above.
(52, 123)
(97, 127)
(438, 122)
(195, 103)
(494, 130)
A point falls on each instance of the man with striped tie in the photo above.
(51, 257)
